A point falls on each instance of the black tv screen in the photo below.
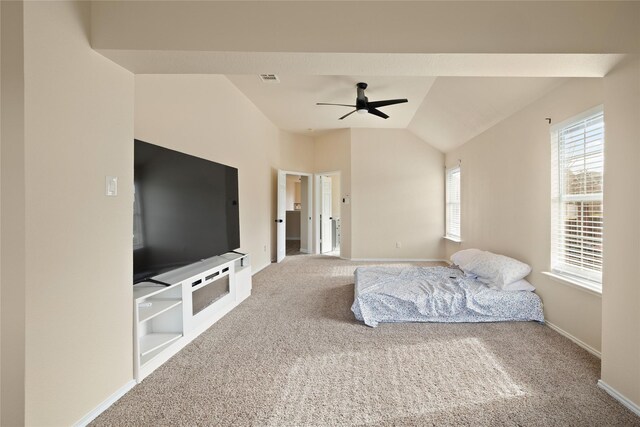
(185, 210)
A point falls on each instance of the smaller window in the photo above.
(453, 203)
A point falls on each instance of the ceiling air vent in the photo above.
(269, 78)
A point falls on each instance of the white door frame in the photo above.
(281, 215)
(281, 223)
(317, 208)
(326, 223)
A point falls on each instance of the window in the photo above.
(577, 169)
(453, 203)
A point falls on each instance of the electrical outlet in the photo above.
(265, 248)
(398, 244)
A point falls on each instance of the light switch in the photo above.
(111, 183)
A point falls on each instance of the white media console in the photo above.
(167, 318)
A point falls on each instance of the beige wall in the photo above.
(79, 127)
(295, 152)
(12, 208)
(381, 171)
(397, 181)
(621, 288)
(293, 191)
(206, 116)
(506, 185)
(290, 193)
(332, 153)
(335, 196)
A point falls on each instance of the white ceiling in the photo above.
(291, 104)
(445, 112)
(459, 108)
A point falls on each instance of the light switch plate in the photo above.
(111, 185)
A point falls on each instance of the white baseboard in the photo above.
(305, 251)
(398, 259)
(257, 270)
(104, 405)
(619, 397)
(574, 339)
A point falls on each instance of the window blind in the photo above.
(453, 203)
(577, 197)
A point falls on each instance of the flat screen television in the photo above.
(185, 210)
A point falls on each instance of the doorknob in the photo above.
(278, 220)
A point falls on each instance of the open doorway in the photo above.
(294, 214)
(328, 231)
(294, 234)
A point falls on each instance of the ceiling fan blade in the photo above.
(341, 105)
(348, 114)
(377, 113)
(378, 104)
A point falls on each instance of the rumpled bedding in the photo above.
(436, 294)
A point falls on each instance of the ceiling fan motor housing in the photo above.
(361, 100)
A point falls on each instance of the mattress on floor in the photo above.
(436, 294)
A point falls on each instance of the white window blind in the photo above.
(577, 164)
(453, 203)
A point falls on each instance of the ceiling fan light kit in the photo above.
(363, 106)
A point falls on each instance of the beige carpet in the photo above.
(293, 355)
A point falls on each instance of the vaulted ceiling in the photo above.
(444, 111)
(463, 65)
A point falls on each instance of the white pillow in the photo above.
(498, 270)
(519, 285)
(463, 257)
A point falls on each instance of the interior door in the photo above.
(326, 232)
(281, 216)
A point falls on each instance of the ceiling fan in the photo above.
(363, 105)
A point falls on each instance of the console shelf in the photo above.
(158, 306)
(166, 318)
(152, 342)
